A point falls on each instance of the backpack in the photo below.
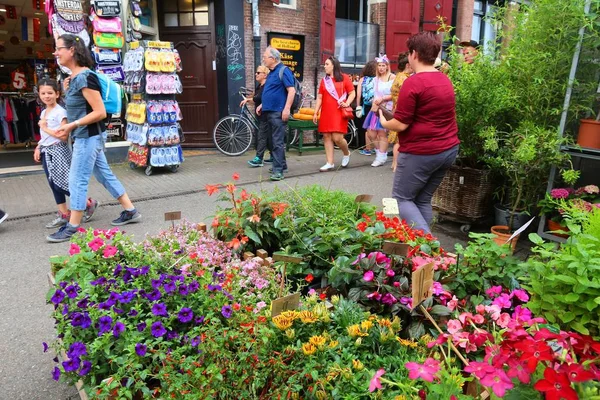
(112, 94)
(368, 90)
(298, 96)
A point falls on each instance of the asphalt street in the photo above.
(25, 371)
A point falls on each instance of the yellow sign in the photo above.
(285, 44)
(160, 45)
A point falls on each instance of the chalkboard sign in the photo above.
(291, 48)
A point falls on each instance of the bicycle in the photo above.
(233, 134)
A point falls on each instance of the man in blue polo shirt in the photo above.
(277, 98)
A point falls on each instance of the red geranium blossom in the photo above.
(556, 386)
(533, 352)
(309, 278)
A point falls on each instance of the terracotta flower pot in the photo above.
(503, 234)
(555, 226)
(589, 134)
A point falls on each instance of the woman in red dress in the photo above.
(336, 91)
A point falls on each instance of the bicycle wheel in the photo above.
(293, 138)
(352, 133)
(232, 135)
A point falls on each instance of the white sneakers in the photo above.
(327, 167)
(345, 161)
(380, 159)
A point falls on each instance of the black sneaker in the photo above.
(89, 210)
(268, 160)
(63, 234)
(277, 177)
(285, 170)
(3, 216)
(127, 217)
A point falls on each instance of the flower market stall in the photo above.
(183, 315)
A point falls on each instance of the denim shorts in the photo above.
(88, 158)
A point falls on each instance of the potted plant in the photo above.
(562, 204)
(524, 157)
(589, 133)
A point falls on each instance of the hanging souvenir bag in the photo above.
(59, 25)
(69, 10)
(114, 72)
(106, 56)
(108, 25)
(107, 8)
(111, 40)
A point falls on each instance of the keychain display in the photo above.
(153, 115)
(138, 155)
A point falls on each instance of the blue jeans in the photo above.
(416, 179)
(88, 158)
(263, 141)
(276, 128)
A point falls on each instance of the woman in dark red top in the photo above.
(425, 119)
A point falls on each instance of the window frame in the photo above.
(178, 12)
(292, 6)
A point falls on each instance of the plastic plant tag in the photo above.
(363, 198)
(397, 249)
(422, 281)
(390, 206)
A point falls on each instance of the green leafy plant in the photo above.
(480, 266)
(565, 283)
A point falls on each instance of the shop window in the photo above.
(485, 27)
(356, 40)
(287, 4)
(185, 13)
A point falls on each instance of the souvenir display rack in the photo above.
(153, 114)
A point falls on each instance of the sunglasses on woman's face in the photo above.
(258, 72)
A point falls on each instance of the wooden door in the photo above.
(327, 43)
(433, 10)
(402, 22)
(192, 34)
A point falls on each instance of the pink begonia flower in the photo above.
(425, 371)
(396, 284)
(389, 299)
(502, 301)
(380, 258)
(520, 294)
(374, 295)
(437, 288)
(516, 370)
(454, 326)
(467, 316)
(491, 352)
(375, 382)
(109, 251)
(498, 381)
(311, 292)
(95, 244)
(493, 291)
(407, 301)
(360, 257)
(452, 303)
(480, 308)
(522, 314)
(479, 369)
(441, 339)
(390, 272)
(461, 339)
(419, 261)
(74, 249)
(504, 320)
(368, 276)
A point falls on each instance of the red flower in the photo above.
(236, 176)
(534, 352)
(211, 189)
(576, 373)
(361, 226)
(244, 195)
(234, 243)
(309, 278)
(323, 296)
(555, 386)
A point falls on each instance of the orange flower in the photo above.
(254, 218)
(236, 306)
(234, 243)
(215, 222)
(236, 176)
(309, 278)
(244, 195)
(230, 188)
(278, 209)
(244, 239)
(211, 189)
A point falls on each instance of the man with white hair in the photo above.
(277, 98)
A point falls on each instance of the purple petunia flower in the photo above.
(144, 270)
(104, 324)
(85, 368)
(185, 315)
(127, 277)
(132, 313)
(99, 281)
(71, 291)
(117, 270)
(226, 310)
(196, 341)
(71, 365)
(133, 271)
(199, 320)
(105, 305)
(113, 297)
(56, 374)
(183, 290)
(58, 297)
(178, 252)
(141, 326)
(77, 349)
(158, 329)
(214, 288)
(83, 303)
(156, 283)
(126, 297)
(140, 349)
(154, 295)
(169, 287)
(118, 329)
(118, 310)
(65, 310)
(193, 286)
(172, 335)
(228, 295)
(62, 285)
(45, 346)
(160, 310)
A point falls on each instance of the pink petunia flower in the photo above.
(74, 249)
(520, 294)
(522, 314)
(95, 244)
(375, 382)
(493, 292)
(498, 381)
(516, 369)
(479, 369)
(109, 251)
(454, 326)
(502, 301)
(368, 276)
(425, 371)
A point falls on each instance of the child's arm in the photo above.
(63, 135)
